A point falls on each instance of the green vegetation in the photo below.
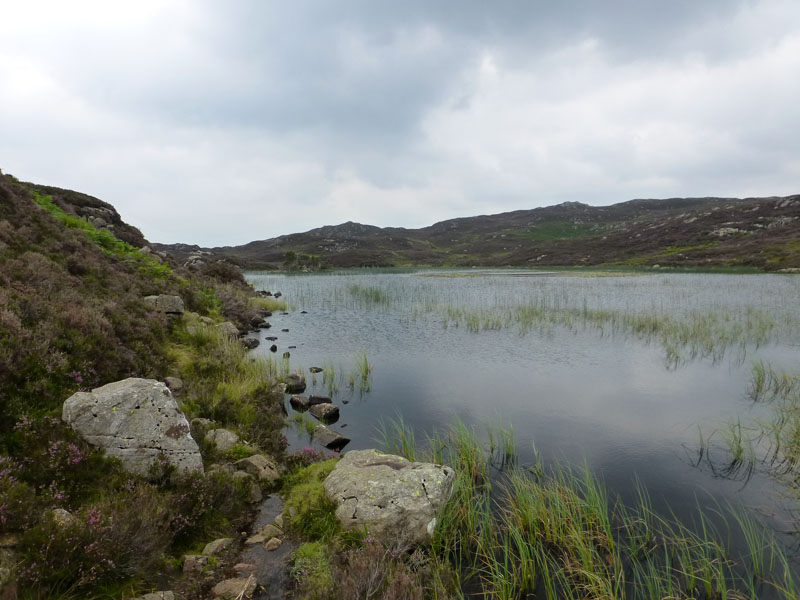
(560, 535)
(308, 510)
(112, 246)
(557, 230)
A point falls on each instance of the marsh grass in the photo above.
(558, 534)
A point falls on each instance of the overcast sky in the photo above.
(223, 122)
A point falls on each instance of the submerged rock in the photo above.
(395, 499)
(328, 413)
(136, 421)
(330, 438)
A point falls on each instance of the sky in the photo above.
(218, 123)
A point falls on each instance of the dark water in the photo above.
(605, 397)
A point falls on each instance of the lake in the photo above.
(643, 377)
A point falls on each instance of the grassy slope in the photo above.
(72, 318)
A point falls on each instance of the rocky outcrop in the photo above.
(170, 305)
(393, 498)
(136, 421)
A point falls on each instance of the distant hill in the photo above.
(689, 232)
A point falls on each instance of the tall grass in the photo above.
(560, 534)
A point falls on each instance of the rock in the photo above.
(329, 413)
(329, 438)
(63, 519)
(277, 294)
(303, 312)
(273, 544)
(260, 467)
(217, 547)
(255, 540)
(195, 563)
(207, 320)
(270, 531)
(238, 588)
(157, 596)
(254, 494)
(222, 468)
(315, 369)
(285, 330)
(273, 348)
(265, 324)
(299, 403)
(228, 329)
(170, 305)
(9, 540)
(291, 348)
(295, 384)
(279, 521)
(271, 338)
(315, 399)
(223, 439)
(250, 343)
(136, 421)
(286, 355)
(395, 499)
(201, 426)
(175, 385)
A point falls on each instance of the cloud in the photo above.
(222, 123)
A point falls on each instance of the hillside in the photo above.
(763, 233)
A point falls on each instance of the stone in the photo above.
(207, 320)
(299, 402)
(330, 438)
(195, 563)
(175, 385)
(279, 521)
(64, 519)
(201, 426)
(273, 544)
(314, 399)
(9, 540)
(328, 413)
(250, 343)
(315, 369)
(238, 588)
(217, 546)
(254, 494)
(163, 303)
(286, 355)
(295, 383)
(157, 596)
(270, 531)
(265, 324)
(260, 467)
(136, 421)
(393, 498)
(255, 539)
(228, 329)
(223, 439)
(273, 348)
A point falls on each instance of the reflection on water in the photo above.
(586, 389)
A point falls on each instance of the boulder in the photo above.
(273, 544)
(393, 498)
(314, 399)
(228, 329)
(244, 569)
(260, 467)
(63, 519)
(295, 384)
(250, 343)
(328, 413)
(273, 348)
(238, 588)
(329, 438)
(223, 439)
(299, 403)
(170, 305)
(136, 421)
(217, 547)
(315, 369)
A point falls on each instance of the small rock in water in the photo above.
(315, 369)
(277, 294)
(329, 438)
(292, 347)
(273, 348)
(286, 355)
(284, 313)
(303, 312)
(319, 400)
(285, 330)
(327, 413)
(271, 338)
(273, 544)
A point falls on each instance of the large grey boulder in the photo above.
(393, 498)
(171, 305)
(136, 421)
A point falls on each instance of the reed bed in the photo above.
(527, 533)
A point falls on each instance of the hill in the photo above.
(678, 232)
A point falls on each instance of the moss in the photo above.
(307, 509)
